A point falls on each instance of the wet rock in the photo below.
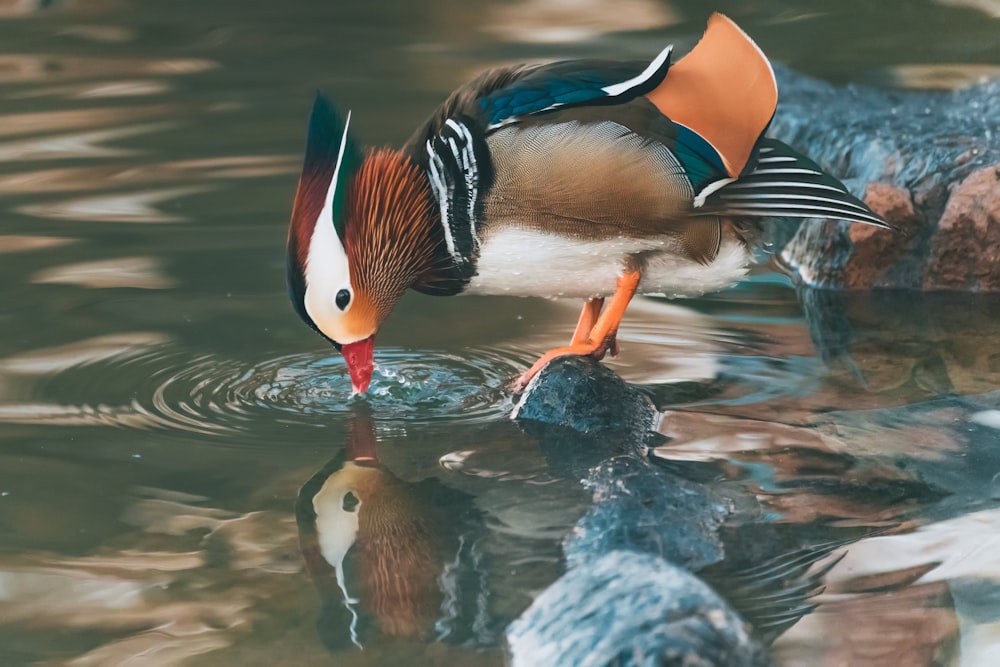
(965, 251)
(929, 162)
(627, 608)
(651, 578)
(582, 394)
(642, 508)
(691, 602)
(629, 597)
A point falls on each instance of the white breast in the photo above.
(524, 262)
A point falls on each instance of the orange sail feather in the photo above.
(724, 90)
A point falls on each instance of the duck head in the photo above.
(358, 237)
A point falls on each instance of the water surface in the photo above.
(165, 417)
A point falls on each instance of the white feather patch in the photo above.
(522, 262)
(327, 270)
(336, 532)
(619, 88)
(714, 186)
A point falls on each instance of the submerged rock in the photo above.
(648, 580)
(631, 609)
(929, 162)
(640, 507)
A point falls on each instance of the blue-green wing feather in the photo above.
(585, 83)
(572, 83)
(702, 163)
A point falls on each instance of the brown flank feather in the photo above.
(390, 236)
(700, 239)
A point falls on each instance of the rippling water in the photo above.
(177, 389)
(179, 454)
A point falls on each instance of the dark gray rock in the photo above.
(929, 162)
(617, 606)
(638, 507)
(631, 609)
(580, 393)
(649, 578)
(638, 560)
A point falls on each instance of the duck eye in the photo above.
(350, 502)
(342, 299)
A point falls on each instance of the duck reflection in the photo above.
(388, 556)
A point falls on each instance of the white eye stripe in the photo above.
(331, 191)
(326, 274)
(327, 270)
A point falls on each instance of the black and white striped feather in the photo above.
(460, 171)
(785, 183)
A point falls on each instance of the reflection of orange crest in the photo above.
(396, 558)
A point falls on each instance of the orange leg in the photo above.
(602, 334)
(588, 317)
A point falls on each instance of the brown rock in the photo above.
(914, 626)
(875, 249)
(965, 250)
(892, 202)
(928, 163)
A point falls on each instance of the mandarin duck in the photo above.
(383, 552)
(582, 178)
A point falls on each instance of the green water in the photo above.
(161, 405)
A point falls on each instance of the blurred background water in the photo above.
(161, 405)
